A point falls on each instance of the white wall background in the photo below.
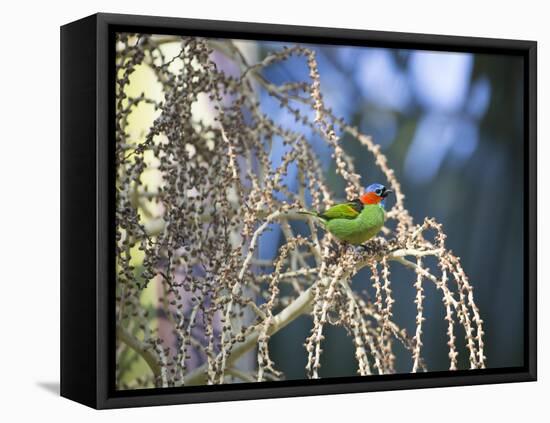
(29, 169)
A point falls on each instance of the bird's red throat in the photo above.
(370, 198)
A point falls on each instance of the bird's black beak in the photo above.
(386, 193)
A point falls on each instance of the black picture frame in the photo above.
(87, 217)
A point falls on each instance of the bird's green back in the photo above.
(348, 210)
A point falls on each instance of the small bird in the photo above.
(358, 220)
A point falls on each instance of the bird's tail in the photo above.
(319, 219)
(310, 213)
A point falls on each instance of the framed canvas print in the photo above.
(254, 211)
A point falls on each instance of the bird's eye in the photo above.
(378, 191)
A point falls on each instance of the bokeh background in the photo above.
(451, 125)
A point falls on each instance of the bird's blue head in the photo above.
(375, 194)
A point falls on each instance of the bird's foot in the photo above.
(338, 250)
(334, 249)
(360, 249)
(368, 248)
(334, 253)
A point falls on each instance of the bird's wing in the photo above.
(343, 211)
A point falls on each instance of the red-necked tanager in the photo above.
(358, 220)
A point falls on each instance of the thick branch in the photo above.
(140, 348)
(286, 316)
